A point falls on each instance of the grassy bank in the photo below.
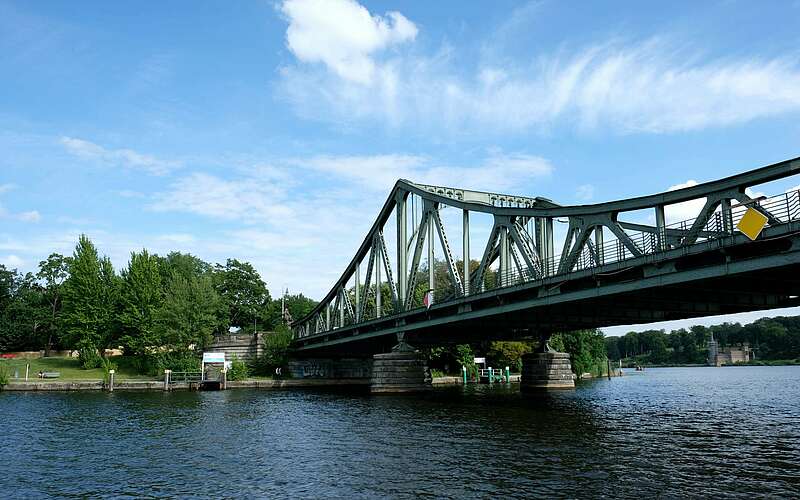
(70, 368)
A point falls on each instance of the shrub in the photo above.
(156, 363)
(466, 358)
(238, 370)
(276, 351)
(107, 366)
(89, 357)
(5, 374)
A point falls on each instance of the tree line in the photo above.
(770, 338)
(162, 311)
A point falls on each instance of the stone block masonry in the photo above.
(403, 371)
(546, 370)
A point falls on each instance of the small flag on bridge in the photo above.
(428, 299)
(753, 221)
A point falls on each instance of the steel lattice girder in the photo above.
(509, 235)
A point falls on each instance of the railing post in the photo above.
(166, 379)
(662, 227)
(431, 281)
(378, 257)
(548, 245)
(598, 244)
(465, 250)
(727, 216)
(357, 312)
(503, 255)
(341, 307)
(111, 380)
(402, 248)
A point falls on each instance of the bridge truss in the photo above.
(386, 280)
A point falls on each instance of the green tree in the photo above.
(8, 283)
(141, 299)
(612, 348)
(189, 314)
(84, 304)
(244, 294)
(24, 317)
(587, 350)
(185, 264)
(504, 353)
(53, 272)
(276, 351)
(110, 289)
(466, 358)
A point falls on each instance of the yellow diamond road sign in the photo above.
(752, 223)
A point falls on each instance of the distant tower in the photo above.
(713, 350)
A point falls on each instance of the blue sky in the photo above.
(273, 131)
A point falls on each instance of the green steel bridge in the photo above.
(620, 262)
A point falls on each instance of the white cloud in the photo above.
(208, 195)
(126, 158)
(28, 216)
(12, 261)
(585, 192)
(379, 172)
(649, 86)
(685, 211)
(343, 35)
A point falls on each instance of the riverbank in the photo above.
(158, 385)
(757, 362)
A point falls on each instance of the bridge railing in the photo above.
(784, 208)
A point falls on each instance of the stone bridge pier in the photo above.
(546, 370)
(402, 370)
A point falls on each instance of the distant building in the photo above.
(728, 355)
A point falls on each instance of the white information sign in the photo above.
(213, 357)
(479, 361)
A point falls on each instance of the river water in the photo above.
(663, 432)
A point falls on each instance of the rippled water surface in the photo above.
(664, 432)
